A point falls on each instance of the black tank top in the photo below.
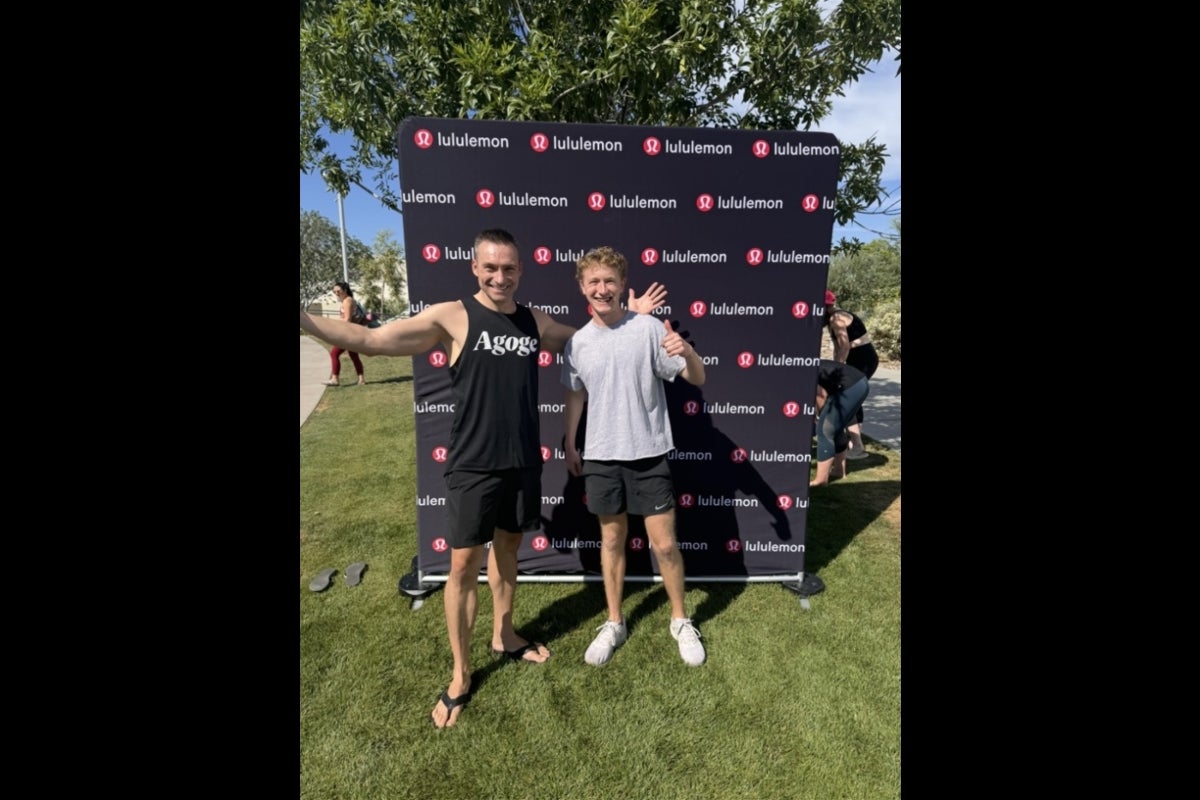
(495, 387)
(856, 329)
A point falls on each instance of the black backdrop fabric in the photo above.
(736, 225)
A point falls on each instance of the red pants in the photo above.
(335, 361)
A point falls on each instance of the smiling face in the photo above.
(603, 287)
(498, 270)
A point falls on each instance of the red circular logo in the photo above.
(755, 256)
(596, 201)
(733, 546)
(543, 255)
(651, 146)
(539, 142)
(649, 256)
(485, 198)
(745, 359)
(739, 455)
(761, 148)
(698, 308)
(423, 139)
(705, 203)
(539, 542)
(545, 358)
(546, 453)
(791, 409)
(431, 252)
(810, 203)
(437, 358)
(800, 309)
(440, 454)
(784, 502)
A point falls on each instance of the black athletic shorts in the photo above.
(640, 487)
(480, 502)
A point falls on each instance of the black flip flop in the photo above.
(450, 703)
(519, 653)
(321, 582)
(354, 573)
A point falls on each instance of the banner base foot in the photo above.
(811, 584)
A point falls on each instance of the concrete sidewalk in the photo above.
(881, 411)
(314, 370)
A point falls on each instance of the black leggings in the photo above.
(865, 359)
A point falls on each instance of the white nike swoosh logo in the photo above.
(660, 508)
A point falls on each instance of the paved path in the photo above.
(314, 368)
(881, 418)
(881, 411)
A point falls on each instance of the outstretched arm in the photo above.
(402, 337)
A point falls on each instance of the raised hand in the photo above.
(655, 296)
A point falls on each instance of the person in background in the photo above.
(851, 345)
(617, 364)
(494, 473)
(841, 390)
(348, 311)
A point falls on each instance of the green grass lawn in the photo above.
(792, 703)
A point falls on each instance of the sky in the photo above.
(871, 107)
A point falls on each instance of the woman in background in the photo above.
(349, 311)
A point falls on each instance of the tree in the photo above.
(365, 65)
(384, 275)
(321, 256)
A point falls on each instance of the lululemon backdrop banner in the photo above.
(735, 224)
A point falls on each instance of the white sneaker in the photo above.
(690, 649)
(612, 635)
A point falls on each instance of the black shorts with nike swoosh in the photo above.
(642, 487)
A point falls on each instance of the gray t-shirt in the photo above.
(623, 369)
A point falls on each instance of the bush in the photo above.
(884, 325)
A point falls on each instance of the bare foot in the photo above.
(450, 705)
(361, 382)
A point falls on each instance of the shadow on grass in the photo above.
(844, 508)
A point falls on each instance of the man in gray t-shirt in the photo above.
(617, 364)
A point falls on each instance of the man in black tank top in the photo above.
(493, 476)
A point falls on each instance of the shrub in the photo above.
(884, 325)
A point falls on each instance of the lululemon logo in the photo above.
(440, 454)
(810, 203)
(439, 545)
(539, 143)
(800, 309)
(637, 544)
(545, 358)
(791, 409)
(784, 502)
(686, 500)
(652, 146)
(649, 256)
(760, 148)
(431, 252)
(437, 358)
(733, 546)
(691, 408)
(596, 201)
(705, 203)
(540, 542)
(745, 359)
(754, 256)
(542, 255)
(423, 139)
(546, 453)
(698, 308)
(485, 198)
(739, 455)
